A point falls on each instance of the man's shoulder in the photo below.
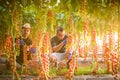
(28, 41)
(54, 38)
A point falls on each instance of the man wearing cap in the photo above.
(24, 40)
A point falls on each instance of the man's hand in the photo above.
(21, 42)
(59, 46)
(33, 50)
(69, 39)
(65, 41)
(70, 55)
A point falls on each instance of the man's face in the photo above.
(60, 35)
(25, 32)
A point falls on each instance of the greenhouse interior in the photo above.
(59, 39)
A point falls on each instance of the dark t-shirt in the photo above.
(55, 41)
(19, 58)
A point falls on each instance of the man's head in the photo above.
(26, 30)
(60, 33)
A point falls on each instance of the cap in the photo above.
(26, 25)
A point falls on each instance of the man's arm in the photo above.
(58, 47)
